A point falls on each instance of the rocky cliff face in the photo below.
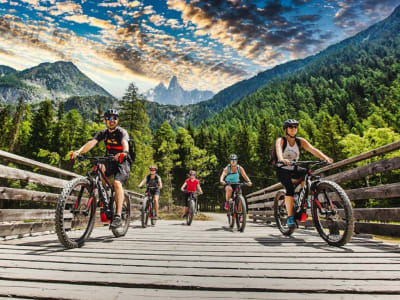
(59, 80)
(176, 95)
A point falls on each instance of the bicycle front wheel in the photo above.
(125, 218)
(189, 215)
(153, 221)
(241, 214)
(75, 213)
(144, 216)
(332, 213)
(281, 215)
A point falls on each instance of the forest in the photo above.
(347, 103)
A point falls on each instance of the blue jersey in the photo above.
(233, 177)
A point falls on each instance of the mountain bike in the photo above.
(147, 211)
(77, 203)
(237, 211)
(331, 210)
(192, 207)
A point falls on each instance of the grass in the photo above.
(386, 239)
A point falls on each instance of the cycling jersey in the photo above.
(191, 185)
(112, 140)
(233, 177)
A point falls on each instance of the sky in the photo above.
(207, 44)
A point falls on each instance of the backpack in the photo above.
(274, 158)
(132, 150)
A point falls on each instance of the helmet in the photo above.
(233, 157)
(110, 112)
(290, 122)
(153, 167)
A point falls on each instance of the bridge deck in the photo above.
(204, 261)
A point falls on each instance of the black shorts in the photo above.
(119, 171)
(286, 174)
(187, 199)
(155, 192)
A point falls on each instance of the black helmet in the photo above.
(290, 122)
(110, 112)
(233, 157)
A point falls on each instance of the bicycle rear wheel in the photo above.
(241, 214)
(75, 213)
(332, 213)
(189, 215)
(125, 218)
(280, 214)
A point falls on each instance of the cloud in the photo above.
(68, 7)
(243, 26)
(158, 20)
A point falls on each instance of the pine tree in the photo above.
(16, 124)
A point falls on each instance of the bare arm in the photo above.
(223, 175)
(85, 148)
(243, 172)
(279, 151)
(183, 187)
(199, 188)
(142, 183)
(160, 183)
(306, 145)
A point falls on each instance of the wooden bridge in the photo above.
(171, 260)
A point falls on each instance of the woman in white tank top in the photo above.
(291, 152)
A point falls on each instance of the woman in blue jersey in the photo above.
(231, 175)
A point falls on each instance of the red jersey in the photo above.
(191, 185)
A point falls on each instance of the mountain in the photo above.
(197, 113)
(175, 94)
(59, 80)
(352, 80)
(5, 70)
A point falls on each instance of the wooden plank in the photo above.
(27, 195)
(377, 214)
(16, 174)
(32, 163)
(363, 171)
(25, 214)
(379, 151)
(378, 192)
(377, 228)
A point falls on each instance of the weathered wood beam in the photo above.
(363, 171)
(32, 163)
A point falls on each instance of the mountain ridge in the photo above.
(58, 80)
(174, 94)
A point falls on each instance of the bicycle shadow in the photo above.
(223, 228)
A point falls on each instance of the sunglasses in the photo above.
(112, 118)
(233, 159)
(293, 126)
(192, 174)
(153, 169)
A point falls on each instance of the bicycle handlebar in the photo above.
(99, 159)
(313, 163)
(236, 183)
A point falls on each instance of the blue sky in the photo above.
(207, 44)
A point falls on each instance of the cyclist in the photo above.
(153, 180)
(191, 184)
(231, 175)
(288, 149)
(116, 141)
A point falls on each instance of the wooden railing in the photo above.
(27, 221)
(381, 221)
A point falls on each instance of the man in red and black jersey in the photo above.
(116, 141)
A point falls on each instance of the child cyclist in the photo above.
(192, 185)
